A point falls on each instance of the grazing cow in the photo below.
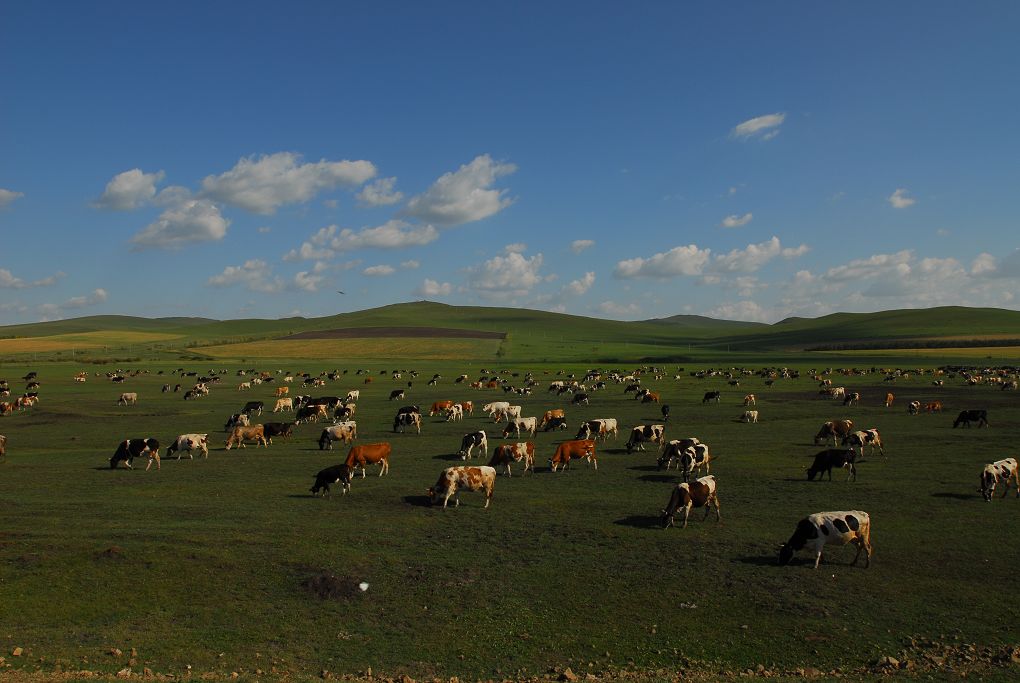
(405, 420)
(311, 414)
(867, 437)
(642, 433)
(673, 450)
(749, 400)
(332, 475)
(579, 398)
(253, 407)
(128, 398)
(397, 393)
(933, 407)
(852, 398)
(345, 412)
(352, 395)
(1000, 470)
(452, 479)
(505, 454)
(693, 458)
(696, 494)
(822, 528)
(550, 415)
(833, 457)
(967, 416)
(455, 412)
(440, 408)
(6, 408)
(712, 396)
(520, 424)
(244, 386)
(889, 398)
(472, 440)
(166, 388)
(665, 412)
(651, 397)
(497, 410)
(574, 450)
(366, 454)
(832, 430)
(344, 431)
(189, 443)
(256, 433)
(282, 391)
(284, 429)
(1011, 385)
(129, 449)
(749, 416)
(914, 407)
(236, 420)
(283, 404)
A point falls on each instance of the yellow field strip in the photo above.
(83, 340)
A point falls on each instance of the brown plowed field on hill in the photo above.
(400, 332)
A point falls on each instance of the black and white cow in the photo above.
(237, 420)
(836, 528)
(404, 420)
(189, 443)
(397, 393)
(712, 396)
(830, 458)
(1000, 470)
(253, 407)
(337, 474)
(473, 440)
(129, 449)
(867, 437)
(642, 433)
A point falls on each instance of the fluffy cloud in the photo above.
(684, 260)
(195, 220)
(749, 259)
(129, 190)
(432, 288)
(9, 281)
(255, 275)
(262, 185)
(503, 277)
(464, 195)
(581, 286)
(7, 197)
(617, 310)
(763, 127)
(577, 246)
(394, 234)
(747, 311)
(379, 271)
(983, 264)
(875, 265)
(736, 221)
(987, 266)
(50, 311)
(380, 193)
(900, 200)
(410, 264)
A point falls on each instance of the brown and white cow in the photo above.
(699, 493)
(189, 443)
(283, 404)
(255, 433)
(505, 454)
(455, 413)
(867, 437)
(749, 416)
(933, 407)
(342, 431)
(549, 416)
(749, 400)
(889, 398)
(366, 454)
(1000, 470)
(282, 391)
(452, 479)
(574, 450)
(836, 528)
(834, 429)
(520, 424)
(440, 408)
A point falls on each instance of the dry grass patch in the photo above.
(82, 340)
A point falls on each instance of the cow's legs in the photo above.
(687, 513)
(818, 559)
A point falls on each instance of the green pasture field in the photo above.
(230, 565)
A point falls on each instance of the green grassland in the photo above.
(209, 563)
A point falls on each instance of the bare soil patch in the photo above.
(400, 332)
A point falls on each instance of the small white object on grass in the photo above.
(363, 586)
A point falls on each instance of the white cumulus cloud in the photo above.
(434, 288)
(736, 221)
(506, 276)
(380, 193)
(464, 195)
(683, 260)
(9, 281)
(577, 246)
(255, 275)
(764, 127)
(195, 220)
(7, 197)
(618, 310)
(129, 190)
(393, 234)
(900, 200)
(410, 264)
(379, 271)
(263, 184)
(581, 285)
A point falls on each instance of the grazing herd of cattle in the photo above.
(846, 445)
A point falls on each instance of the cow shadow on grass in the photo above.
(418, 501)
(641, 521)
(447, 456)
(954, 495)
(659, 478)
(762, 560)
(644, 468)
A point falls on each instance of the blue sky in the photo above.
(744, 160)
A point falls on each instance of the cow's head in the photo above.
(785, 554)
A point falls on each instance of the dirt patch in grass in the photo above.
(327, 586)
(399, 332)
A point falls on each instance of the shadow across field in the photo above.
(659, 478)
(954, 495)
(641, 521)
(418, 501)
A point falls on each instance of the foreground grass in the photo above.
(207, 563)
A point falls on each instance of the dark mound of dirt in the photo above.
(326, 586)
(399, 332)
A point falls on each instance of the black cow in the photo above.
(332, 475)
(665, 412)
(833, 457)
(328, 401)
(967, 416)
(343, 413)
(307, 414)
(284, 429)
(409, 409)
(253, 407)
(712, 396)
(129, 449)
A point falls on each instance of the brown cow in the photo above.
(650, 397)
(574, 450)
(366, 454)
(933, 407)
(453, 478)
(696, 494)
(889, 399)
(514, 452)
(242, 434)
(832, 430)
(550, 415)
(440, 408)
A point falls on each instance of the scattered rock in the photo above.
(16, 652)
(568, 675)
(114, 652)
(124, 673)
(811, 672)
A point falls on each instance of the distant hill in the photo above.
(701, 321)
